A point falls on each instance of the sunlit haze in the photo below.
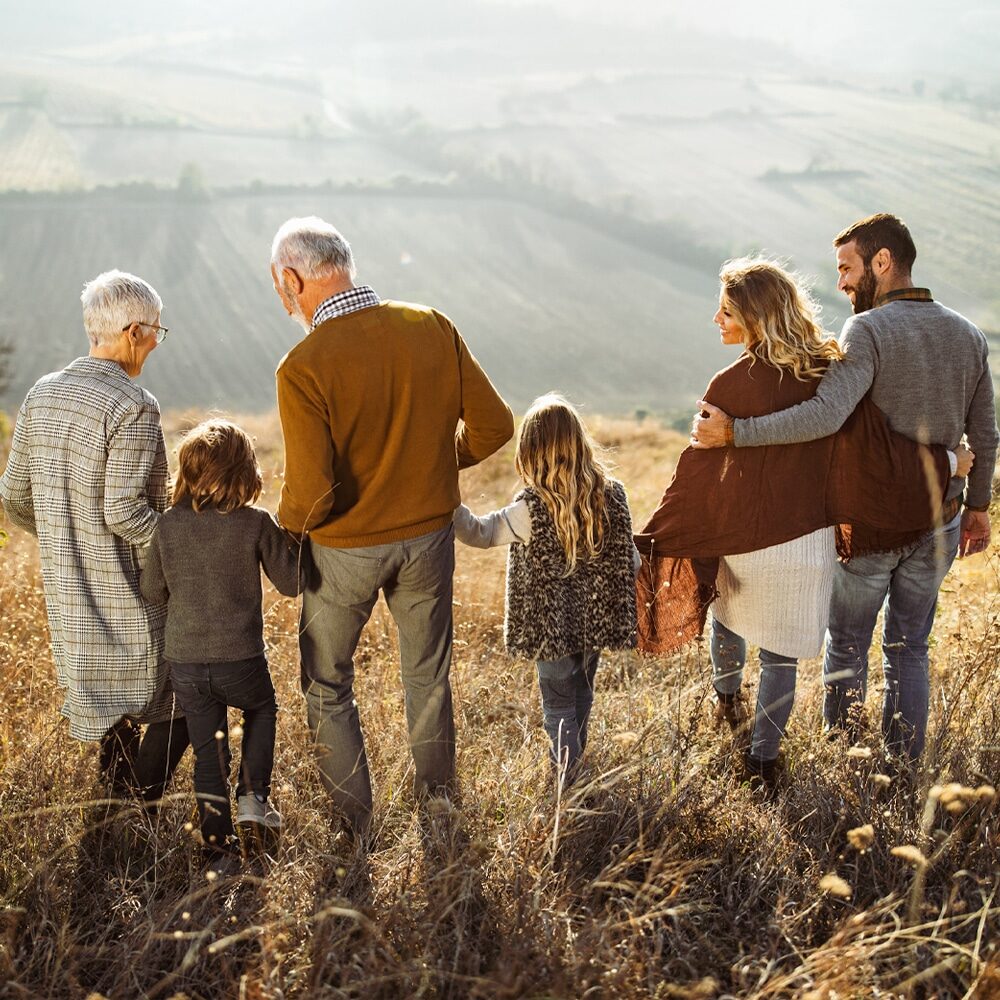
(562, 178)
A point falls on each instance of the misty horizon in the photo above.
(508, 162)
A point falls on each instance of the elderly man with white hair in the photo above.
(381, 403)
(87, 474)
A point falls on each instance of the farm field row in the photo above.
(543, 302)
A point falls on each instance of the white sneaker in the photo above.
(258, 824)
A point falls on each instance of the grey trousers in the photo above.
(416, 577)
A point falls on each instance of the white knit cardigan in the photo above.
(778, 598)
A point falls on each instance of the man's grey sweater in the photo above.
(928, 371)
(205, 566)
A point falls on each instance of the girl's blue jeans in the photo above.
(774, 695)
(567, 687)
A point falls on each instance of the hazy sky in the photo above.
(896, 36)
(906, 38)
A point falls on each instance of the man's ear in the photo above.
(882, 262)
(292, 280)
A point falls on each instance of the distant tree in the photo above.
(191, 183)
(6, 365)
(919, 86)
(681, 422)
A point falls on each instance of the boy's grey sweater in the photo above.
(205, 566)
(928, 371)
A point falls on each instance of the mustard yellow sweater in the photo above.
(379, 410)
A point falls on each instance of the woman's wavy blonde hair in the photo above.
(557, 458)
(217, 468)
(779, 316)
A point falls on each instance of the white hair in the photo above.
(115, 299)
(313, 248)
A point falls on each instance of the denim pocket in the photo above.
(185, 675)
(244, 683)
(191, 687)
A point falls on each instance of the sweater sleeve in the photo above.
(308, 488)
(283, 561)
(840, 390)
(487, 422)
(981, 430)
(501, 527)
(15, 484)
(152, 582)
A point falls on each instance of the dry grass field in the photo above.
(658, 876)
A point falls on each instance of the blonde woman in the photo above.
(756, 531)
(570, 570)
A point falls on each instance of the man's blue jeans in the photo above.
(775, 693)
(907, 582)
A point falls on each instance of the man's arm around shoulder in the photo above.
(840, 390)
(15, 483)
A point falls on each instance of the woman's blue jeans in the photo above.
(775, 694)
(567, 687)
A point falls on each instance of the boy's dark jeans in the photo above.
(204, 691)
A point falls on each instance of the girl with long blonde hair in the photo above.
(570, 568)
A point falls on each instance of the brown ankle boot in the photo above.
(731, 708)
(761, 774)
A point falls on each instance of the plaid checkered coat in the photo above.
(87, 474)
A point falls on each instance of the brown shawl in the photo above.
(880, 489)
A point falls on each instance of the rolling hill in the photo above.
(543, 302)
(568, 210)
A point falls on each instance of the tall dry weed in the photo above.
(657, 875)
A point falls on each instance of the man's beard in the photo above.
(864, 290)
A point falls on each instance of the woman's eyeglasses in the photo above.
(161, 331)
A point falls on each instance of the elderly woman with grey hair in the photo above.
(87, 474)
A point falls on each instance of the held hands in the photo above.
(711, 428)
(966, 456)
(975, 535)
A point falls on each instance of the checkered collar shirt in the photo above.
(905, 295)
(362, 297)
